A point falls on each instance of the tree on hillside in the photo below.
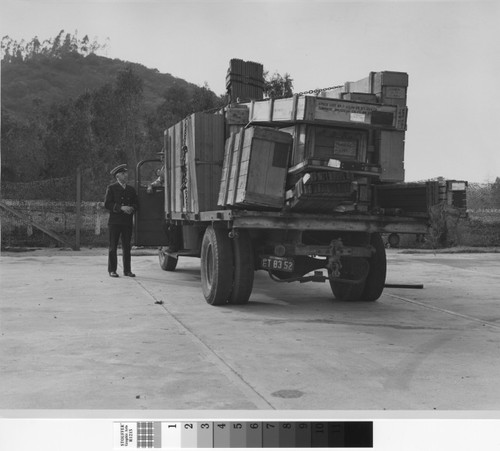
(204, 99)
(22, 158)
(277, 85)
(98, 130)
(58, 47)
(178, 103)
(129, 96)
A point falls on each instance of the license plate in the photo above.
(277, 263)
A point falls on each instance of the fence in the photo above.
(65, 211)
(51, 205)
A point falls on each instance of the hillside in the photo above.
(52, 80)
(67, 110)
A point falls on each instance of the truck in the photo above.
(302, 187)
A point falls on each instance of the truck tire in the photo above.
(352, 268)
(375, 281)
(243, 268)
(216, 266)
(167, 262)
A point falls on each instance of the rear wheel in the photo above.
(375, 281)
(354, 271)
(167, 262)
(370, 274)
(243, 268)
(216, 266)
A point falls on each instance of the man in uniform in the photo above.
(121, 201)
(160, 181)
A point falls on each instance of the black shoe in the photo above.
(113, 274)
(129, 274)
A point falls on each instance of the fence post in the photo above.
(78, 219)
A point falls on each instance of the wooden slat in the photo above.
(26, 219)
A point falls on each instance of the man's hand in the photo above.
(149, 189)
(126, 209)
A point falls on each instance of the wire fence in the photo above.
(52, 205)
(31, 209)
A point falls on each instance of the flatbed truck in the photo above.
(301, 187)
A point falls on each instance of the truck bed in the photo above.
(353, 222)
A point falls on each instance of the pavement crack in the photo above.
(448, 312)
(233, 375)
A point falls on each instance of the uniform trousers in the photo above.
(115, 232)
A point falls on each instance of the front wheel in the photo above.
(216, 266)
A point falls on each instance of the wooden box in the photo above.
(410, 198)
(388, 78)
(321, 191)
(195, 150)
(360, 97)
(326, 110)
(262, 167)
(314, 141)
(389, 87)
(390, 146)
(233, 161)
(237, 115)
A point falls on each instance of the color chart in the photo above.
(242, 434)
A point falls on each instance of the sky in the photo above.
(450, 49)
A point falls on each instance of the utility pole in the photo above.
(78, 219)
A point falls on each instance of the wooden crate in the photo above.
(388, 78)
(174, 200)
(326, 110)
(234, 165)
(198, 167)
(313, 141)
(322, 191)
(226, 170)
(360, 97)
(410, 198)
(263, 168)
(390, 146)
(237, 115)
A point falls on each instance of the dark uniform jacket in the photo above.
(116, 196)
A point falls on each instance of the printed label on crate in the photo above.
(328, 106)
(345, 148)
(334, 163)
(394, 92)
(358, 117)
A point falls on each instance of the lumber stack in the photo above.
(245, 80)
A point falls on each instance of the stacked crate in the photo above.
(255, 168)
(453, 193)
(413, 199)
(194, 153)
(321, 191)
(245, 80)
(329, 168)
